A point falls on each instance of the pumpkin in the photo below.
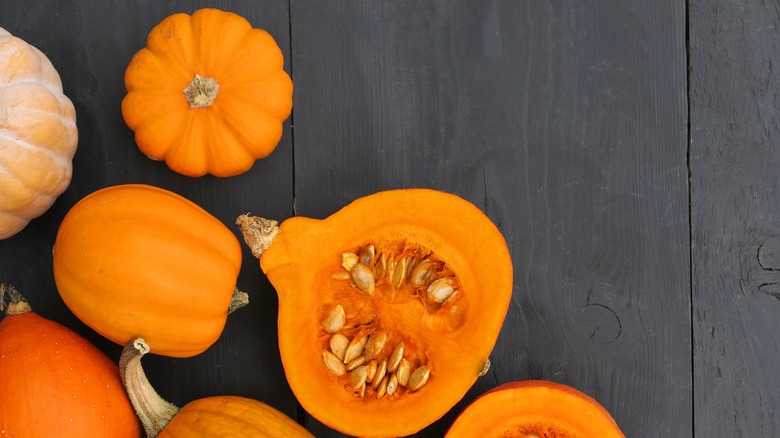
(40, 135)
(534, 408)
(137, 260)
(208, 93)
(56, 383)
(219, 416)
(388, 309)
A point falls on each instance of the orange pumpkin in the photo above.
(220, 416)
(54, 382)
(137, 260)
(388, 309)
(208, 94)
(40, 139)
(534, 408)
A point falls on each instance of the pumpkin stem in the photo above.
(239, 300)
(154, 412)
(16, 302)
(258, 233)
(201, 92)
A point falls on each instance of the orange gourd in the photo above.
(54, 382)
(208, 94)
(534, 408)
(39, 123)
(137, 260)
(388, 309)
(211, 417)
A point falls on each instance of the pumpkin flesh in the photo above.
(452, 339)
(137, 260)
(535, 408)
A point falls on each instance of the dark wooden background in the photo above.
(626, 149)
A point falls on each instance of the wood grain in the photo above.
(734, 91)
(566, 123)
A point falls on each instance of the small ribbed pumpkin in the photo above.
(55, 383)
(210, 417)
(208, 94)
(39, 138)
(137, 260)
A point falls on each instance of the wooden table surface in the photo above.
(627, 150)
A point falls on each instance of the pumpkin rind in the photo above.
(535, 408)
(137, 260)
(38, 134)
(244, 121)
(56, 383)
(299, 263)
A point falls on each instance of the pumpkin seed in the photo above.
(367, 255)
(333, 363)
(375, 344)
(418, 378)
(399, 274)
(381, 370)
(355, 349)
(403, 372)
(335, 319)
(421, 273)
(485, 368)
(338, 345)
(371, 371)
(341, 275)
(395, 357)
(349, 260)
(440, 290)
(357, 377)
(392, 384)
(363, 277)
(362, 391)
(381, 388)
(356, 363)
(381, 266)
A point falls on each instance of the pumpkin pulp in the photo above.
(388, 309)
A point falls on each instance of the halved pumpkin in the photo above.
(534, 408)
(388, 309)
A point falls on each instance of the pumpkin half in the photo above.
(136, 260)
(388, 309)
(534, 408)
(38, 123)
(210, 417)
(54, 382)
(208, 93)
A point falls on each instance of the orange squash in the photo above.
(54, 382)
(137, 260)
(208, 94)
(388, 309)
(40, 134)
(534, 408)
(212, 417)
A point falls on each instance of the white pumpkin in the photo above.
(38, 134)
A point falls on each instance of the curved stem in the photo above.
(258, 233)
(16, 302)
(154, 412)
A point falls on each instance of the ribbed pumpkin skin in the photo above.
(137, 260)
(38, 134)
(243, 124)
(56, 384)
(231, 417)
(534, 408)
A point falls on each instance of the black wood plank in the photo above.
(734, 91)
(91, 43)
(566, 123)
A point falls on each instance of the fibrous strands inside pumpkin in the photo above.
(373, 294)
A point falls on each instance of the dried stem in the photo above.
(239, 300)
(16, 302)
(201, 92)
(258, 233)
(154, 412)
